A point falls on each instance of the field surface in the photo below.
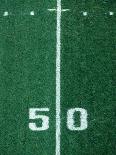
(28, 41)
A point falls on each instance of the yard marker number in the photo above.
(34, 115)
(71, 122)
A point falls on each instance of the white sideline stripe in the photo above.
(58, 61)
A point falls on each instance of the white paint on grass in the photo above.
(85, 13)
(34, 115)
(58, 61)
(63, 10)
(32, 13)
(71, 119)
(51, 9)
(111, 13)
(5, 13)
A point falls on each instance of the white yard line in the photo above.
(58, 61)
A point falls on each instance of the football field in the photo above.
(57, 73)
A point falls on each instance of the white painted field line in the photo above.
(51, 9)
(58, 61)
(63, 10)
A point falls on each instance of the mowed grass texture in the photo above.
(27, 75)
(88, 53)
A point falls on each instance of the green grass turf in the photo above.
(88, 49)
(27, 75)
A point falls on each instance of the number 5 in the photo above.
(34, 116)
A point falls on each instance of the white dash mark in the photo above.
(64, 10)
(32, 13)
(58, 62)
(111, 13)
(51, 9)
(85, 13)
(5, 13)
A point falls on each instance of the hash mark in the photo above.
(85, 13)
(32, 13)
(5, 13)
(111, 13)
(63, 10)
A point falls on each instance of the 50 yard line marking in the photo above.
(58, 80)
(58, 63)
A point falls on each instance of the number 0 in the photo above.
(83, 119)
